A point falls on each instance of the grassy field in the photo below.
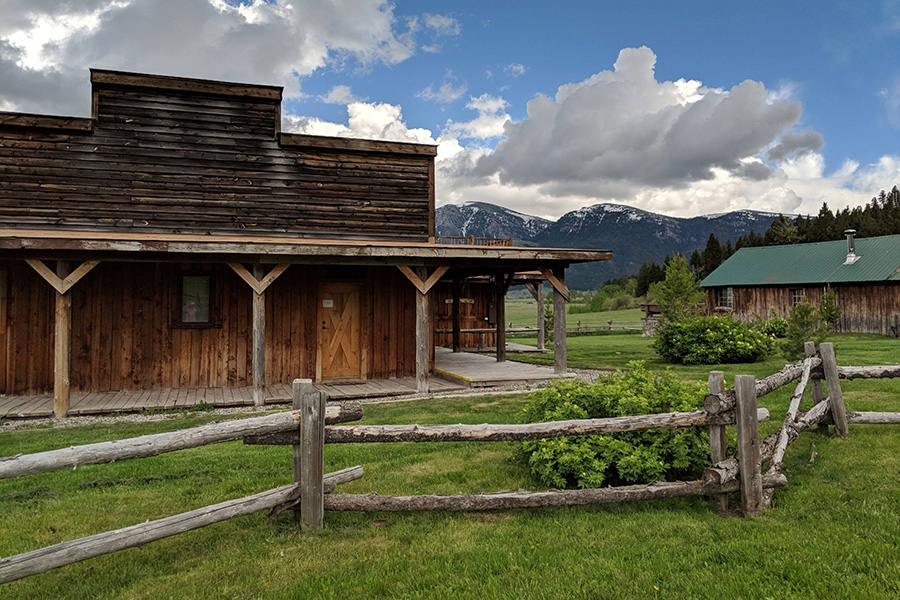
(523, 312)
(833, 531)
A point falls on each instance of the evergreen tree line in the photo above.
(881, 216)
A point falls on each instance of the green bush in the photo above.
(711, 341)
(591, 461)
(803, 326)
(775, 326)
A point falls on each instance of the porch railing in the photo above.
(472, 241)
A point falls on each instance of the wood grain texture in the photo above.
(522, 499)
(74, 551)
(159, 443)
(835, 395)
(748, 445)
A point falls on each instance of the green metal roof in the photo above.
(822, 262)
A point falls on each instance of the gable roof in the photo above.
(800, 264)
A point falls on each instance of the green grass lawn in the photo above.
(523, 312)
(834, 531)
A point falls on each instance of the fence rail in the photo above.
(472, 241)
(304, 428)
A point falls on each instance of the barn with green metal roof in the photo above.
(864, 274)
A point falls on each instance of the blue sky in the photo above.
(683, 108)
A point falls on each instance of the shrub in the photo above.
(829, 311)
(803, 326)
(680, 294)
(775, 326)
(634, 457)
(711, 341)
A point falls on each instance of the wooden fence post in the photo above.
(311, 452)
(835, 396)
(748, 445)
(810, 349)
(717, 440)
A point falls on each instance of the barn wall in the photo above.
(474, 309)
(123, 336)
(869, 308)
(176, 161)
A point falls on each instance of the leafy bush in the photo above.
(712, 341)
(775, 326)
(635, 457)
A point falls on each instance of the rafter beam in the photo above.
(423, 286)
(258, 285)
(558, 285)
(62, 284)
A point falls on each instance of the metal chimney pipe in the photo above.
(851, 247)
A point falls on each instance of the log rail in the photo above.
(305, 429)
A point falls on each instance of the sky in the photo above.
(681, 108)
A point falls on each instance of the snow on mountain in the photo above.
(635, 236)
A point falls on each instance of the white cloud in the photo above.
(515, 70)
(448, 91)
(367, 120)
(442, 24)
(890, 98)
(46, 46)
(340, 94)
(490, 120)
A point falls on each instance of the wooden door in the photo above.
(339, 339)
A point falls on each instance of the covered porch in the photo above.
(453, 372)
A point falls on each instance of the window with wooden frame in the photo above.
(725, 298)
(797, 296)
(195, 304)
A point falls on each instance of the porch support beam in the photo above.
(62, 347)
(537, 292)
(422, 282)
(502, 281)
(423, 333)
(259, 342)
(558, 284)
(456, 291)
(559, 319)
(259, 282)
(62, 281)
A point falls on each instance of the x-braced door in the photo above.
(339, 339)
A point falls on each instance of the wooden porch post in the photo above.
(62, 281)
(559, 325)
(62, 346)
(457, 285)
(259, 341)
(423, 334)
(500, 303)
(537, 292)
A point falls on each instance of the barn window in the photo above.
(725, 298)
(195, 304)
(797, 296)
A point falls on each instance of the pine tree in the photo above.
(679, 294)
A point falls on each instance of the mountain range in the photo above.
(635, 236)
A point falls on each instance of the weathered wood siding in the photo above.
(474, 310)
(865, 308)
(179, 161)
(123, 336)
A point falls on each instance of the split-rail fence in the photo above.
(311, 424)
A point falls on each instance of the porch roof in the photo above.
(118, 245)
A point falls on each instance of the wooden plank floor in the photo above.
(479, 370)
(38, 406)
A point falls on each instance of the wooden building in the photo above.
(864, 274)
(178, 239)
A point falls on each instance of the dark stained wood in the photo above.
(559, 320)
(123, 336)
(172, 154)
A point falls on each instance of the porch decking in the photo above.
(453, 372)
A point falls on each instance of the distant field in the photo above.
(523, 313)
